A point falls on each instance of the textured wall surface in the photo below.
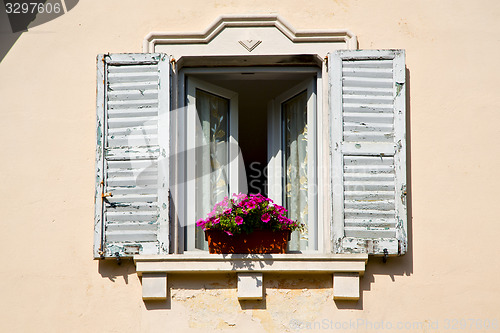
(48, 280)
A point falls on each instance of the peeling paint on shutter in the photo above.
(367, 99)
(132, 175)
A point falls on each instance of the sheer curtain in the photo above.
(212, 179)
(295, 164)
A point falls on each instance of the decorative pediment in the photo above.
(241, 34)
(250, 44)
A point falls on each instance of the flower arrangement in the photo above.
(246, 213)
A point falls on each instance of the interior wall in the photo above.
(253, 134)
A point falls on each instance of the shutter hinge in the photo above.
(403, 194)
(399, 145)
(386, 255)
(105, 194)
(118, 259)
(173, 63)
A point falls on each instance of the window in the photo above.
(147, 203)
(252, 119)
(213, 168)
(292, 159)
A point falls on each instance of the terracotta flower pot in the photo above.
(259, 241)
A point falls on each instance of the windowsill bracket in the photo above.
(250, 268)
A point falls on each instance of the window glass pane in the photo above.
(295, 165)
(212, 179)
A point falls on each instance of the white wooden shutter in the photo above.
(132, 188)
(367, 101)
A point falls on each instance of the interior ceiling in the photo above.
(265, 85)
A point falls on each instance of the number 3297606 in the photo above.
(32, 7)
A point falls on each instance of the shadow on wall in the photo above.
(7, 37)
(402, 265)
(17, 16)
(112, 270)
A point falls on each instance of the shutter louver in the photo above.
(132, 155)
(367, 98)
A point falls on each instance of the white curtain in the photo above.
(212, 181)
(295, 164)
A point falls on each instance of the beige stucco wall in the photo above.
(48, 280)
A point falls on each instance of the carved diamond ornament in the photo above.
(250, 45)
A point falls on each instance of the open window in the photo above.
(243, 126)
(292, 159)
(212, 166)
(254, 128)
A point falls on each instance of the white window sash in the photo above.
(191, 127)
(275, 155)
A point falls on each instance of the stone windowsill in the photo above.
(346, 270)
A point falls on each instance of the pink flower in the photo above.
(284, 219)
(258, 197)
(251, 204)
(240, 206)
(201, 223)
(279, 209)
(239, 196)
